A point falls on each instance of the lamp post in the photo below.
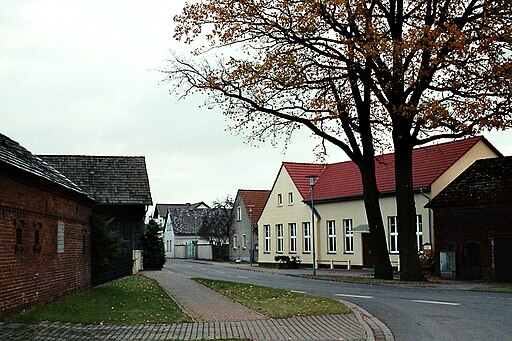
(312, 185)
(251, 255)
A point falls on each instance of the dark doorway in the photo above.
(472, 267)
(367, 250)
(503, 259)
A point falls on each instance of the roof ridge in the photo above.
(91, 156)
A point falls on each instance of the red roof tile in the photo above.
(343, 180)
(255, 198)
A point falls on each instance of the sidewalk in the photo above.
(436, 283)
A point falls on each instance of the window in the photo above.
(293, 237)
(331, 236)
(419, 232)
(279, 228)
(60, 237)
(290, 198)
(349, 235)
(267, 238)
(307, 236)
(244, 241)
(19, 239)
(234, 242)
(279, 199)
(393, 234)
(239, 213)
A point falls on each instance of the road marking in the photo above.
(436, 302)
(242, 277)
(355, 296)
(298, 292)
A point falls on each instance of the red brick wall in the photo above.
(30, 276)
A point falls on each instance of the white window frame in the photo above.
(393, 234)
(234, 242)
(280, 238)
(290, 198)
(331, 236)
(348, 229)
(239, 213)
(244, 241)
(293, 237)
(268, 243)
(419, 232)
(306, 228)
(279, 199)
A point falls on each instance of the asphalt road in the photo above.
(411, 313)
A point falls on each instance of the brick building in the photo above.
(44, 231)
(473, 218)
(120, 186)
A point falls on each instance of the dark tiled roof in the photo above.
(187, 218)
(113, 180)
(256, 199)
(13, 154)
(343, 180)
(486, 182)
(161, 209)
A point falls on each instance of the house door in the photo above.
(503, 259)
(367, 250)
(472, 260)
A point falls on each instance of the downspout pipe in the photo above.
(422, 192)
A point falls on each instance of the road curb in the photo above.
(375, 328)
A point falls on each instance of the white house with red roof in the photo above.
(247, 208)
(341, 231)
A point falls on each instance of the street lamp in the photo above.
(251, 255)
(312, 185)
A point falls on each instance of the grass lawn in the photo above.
(496, 288)
(129, 300)
(275, 303)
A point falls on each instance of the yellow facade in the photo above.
(279, 211)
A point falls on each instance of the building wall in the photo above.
(241, 239)
(285, 213)
(456, 227)
(33, 275)
(299, 213)
(479, 151)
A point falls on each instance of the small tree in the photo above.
(153, 245)
(216, 225)
(106, 244)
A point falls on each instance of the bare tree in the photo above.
(359, 74)
(216, 225)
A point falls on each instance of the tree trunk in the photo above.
(380, 255)
(410, 269)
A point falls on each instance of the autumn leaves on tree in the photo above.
(363, 75)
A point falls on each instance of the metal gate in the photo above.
(191, 250)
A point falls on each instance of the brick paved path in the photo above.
(333, 327)
(202, 304)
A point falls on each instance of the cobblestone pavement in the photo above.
(216, 317)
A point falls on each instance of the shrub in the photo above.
(285, 262)
(153, 247)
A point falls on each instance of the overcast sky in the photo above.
(77, 77)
